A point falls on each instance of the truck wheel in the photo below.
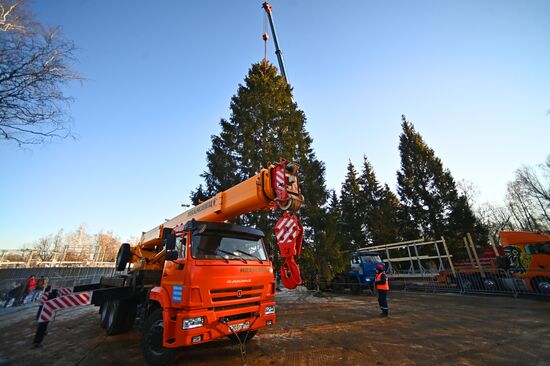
(151, 340)
(541, 285)
(490, 284)
(118, 316)
(355, 286)
(465, 283)
(123, 257)
(112, 317)
(242, 336)
(338, 284)
(103, 312)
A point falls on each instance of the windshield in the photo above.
(543, 248)
(227, 247)
(371, 259)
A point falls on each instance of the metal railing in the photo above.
(487, 281)
(493, 281)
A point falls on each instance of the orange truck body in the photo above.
(203, 293)
(523, 264)
(529, 254)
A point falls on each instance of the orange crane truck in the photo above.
(196, 277)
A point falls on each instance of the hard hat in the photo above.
(379, 267)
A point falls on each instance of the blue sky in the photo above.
(472, 76)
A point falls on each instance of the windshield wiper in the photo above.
(214, 253)
(250, 255)
(233, 254)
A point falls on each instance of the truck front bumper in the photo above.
(216, 323)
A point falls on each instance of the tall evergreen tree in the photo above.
(379, 208)
(351, 212)
(265, 124)
(430, 203)
(326, 258)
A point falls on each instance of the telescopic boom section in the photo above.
(273, 187)
(278, 52)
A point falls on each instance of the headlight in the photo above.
(269, 310)
(193, 323)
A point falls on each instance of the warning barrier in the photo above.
(50, 307)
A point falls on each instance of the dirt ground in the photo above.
(423, 329)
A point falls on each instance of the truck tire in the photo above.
(123, 257)
(465, 283)
(151, 340)
(242, 337)
(338, 284)
(118, 316)
(103, 314)
(355, 286)
(541, 285)
(490, 284)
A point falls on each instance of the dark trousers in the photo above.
(383, 301)
(40, 333)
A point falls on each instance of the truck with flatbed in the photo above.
(360, 273)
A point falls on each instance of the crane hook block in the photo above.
(289, 233)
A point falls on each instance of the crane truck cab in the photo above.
(527, 257)
(360, 274)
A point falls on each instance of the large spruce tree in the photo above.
(351, 212)
(379, 208)
(430, 203)
(265, 125)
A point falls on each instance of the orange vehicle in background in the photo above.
(196, 278)
(521, 264)
(527, 257)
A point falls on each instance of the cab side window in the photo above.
(181, 246)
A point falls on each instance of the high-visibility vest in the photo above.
(385, 286)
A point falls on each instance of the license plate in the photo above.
(239, 327)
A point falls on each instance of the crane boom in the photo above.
(268, 10)
(275, 186)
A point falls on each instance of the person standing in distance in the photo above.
(382, 286)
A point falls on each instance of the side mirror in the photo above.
(171, 255)
(169, 239)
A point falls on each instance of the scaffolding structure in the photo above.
(416, 261)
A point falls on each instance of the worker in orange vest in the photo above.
(382, 286)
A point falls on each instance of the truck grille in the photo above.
(238, 306)
(238, 293)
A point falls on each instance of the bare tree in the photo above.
(529, 197)
(108, 245)
(495, 218)
(34, 64)
(536, 186)
(44, 248)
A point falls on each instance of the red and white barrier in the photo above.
(50, 307)
(60, 292)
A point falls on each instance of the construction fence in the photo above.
(427, 265)
(57, 277)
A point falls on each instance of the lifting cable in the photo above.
(242, 343)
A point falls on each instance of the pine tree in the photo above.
(430, 203)
(265, 125)
(351, 212)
